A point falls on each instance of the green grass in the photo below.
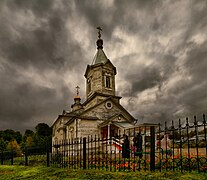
(8, 172)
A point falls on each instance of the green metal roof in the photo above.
(100, 57)
(124, 124)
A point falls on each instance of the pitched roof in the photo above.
(68, 114)
(123, 123)
(117, 104)
(95, 94)
(100, 57)
(81, 117)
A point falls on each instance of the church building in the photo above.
(101, 114)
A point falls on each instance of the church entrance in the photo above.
(109, 131)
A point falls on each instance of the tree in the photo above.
(27, 133)
(29, 141)
(43, 130)
(2, 144)
(43, 135)
(18, 137)
(9, 134)
(13, 145)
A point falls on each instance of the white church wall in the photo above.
(88, 128)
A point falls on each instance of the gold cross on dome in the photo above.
(77, 87)
(99, 32)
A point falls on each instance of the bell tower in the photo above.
(100, 75)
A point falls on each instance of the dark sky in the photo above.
(158, 47)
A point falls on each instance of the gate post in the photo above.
(152, 148)
(84, 153)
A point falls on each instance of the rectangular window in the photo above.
(108, 83)
(89, 86)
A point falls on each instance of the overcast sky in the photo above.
(158, 47)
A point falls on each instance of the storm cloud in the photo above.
(159, 48)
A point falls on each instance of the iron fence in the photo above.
(28, 156)
(182, 148)
(175, 147)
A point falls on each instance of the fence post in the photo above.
(2, 154)
(26, 156)
(12, 157)
(48, 156)
(152, 148)
(84, 153)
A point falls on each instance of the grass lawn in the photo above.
(42, 172)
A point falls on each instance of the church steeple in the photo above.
(77, 101)
(100, 56)
(100, 76)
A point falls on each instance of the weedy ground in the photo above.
(8, 172)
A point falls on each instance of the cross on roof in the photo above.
(99, 32)
(77, 87)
